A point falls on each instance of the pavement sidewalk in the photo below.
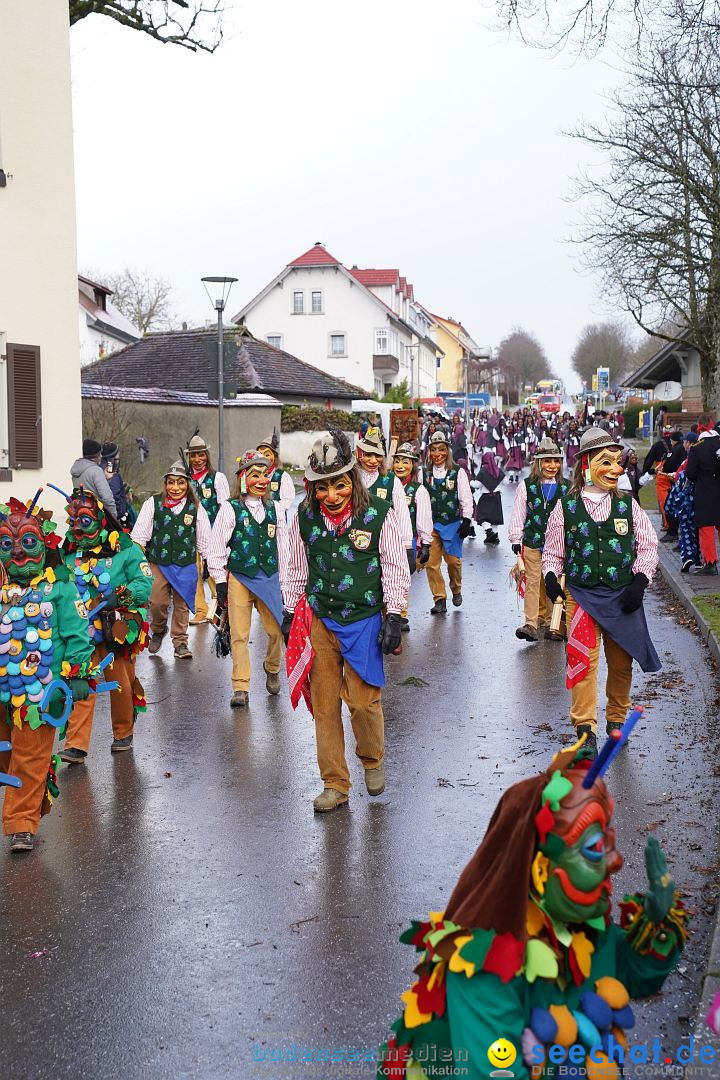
(686, 589)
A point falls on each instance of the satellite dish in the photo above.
(667, 391)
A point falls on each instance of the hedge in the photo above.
(317, 418)
(632, 415)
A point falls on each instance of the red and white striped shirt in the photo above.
(222, 530)
(143, 528)
(394, 569)
(423, 515)
(463, 489)
(646, 542)
(399, 502)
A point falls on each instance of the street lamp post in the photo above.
(218, 297)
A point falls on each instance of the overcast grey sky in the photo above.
(400, 133)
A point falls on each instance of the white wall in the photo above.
(38, 267)
(346, 309)
(295, 446)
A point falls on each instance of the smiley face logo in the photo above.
(502, 1053)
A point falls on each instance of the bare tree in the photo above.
(522, 359)
(194, 24)
(652, 224)
(607, 345)
(143, 299)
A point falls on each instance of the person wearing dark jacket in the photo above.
(87, 472)
(657, 453)
(703, 468)
(664, 481)
(111, 468)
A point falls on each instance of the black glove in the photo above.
(79, 689)
(391, 634)
(221, 593)
(465, 527)
(424, 554)
(286, 624)
(632, 596)
(552, 587)
(411, 559)
(517, 548)
(205, 571)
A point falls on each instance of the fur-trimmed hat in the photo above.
(372, 442)
(597, 439)
(548, 449)
(407, 450)
(330, 456)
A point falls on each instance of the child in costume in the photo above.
(452, 510)
(280, 484)
(527, 951)
(174, 529)
(405, 467)
(107, 568)
(212, 490)
(603, 542)
(535, 500)
(249, 539)
(347, 565)
(385, 485)
(43, 636)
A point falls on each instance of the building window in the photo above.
(381, 341)
(298, 303)
(316, 302)
(275, 339)
(337, 345)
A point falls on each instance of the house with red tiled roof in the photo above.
(360, 325)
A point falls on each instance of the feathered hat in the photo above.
(196, 443)
(273, 442)
(372, 442)
(330, 456)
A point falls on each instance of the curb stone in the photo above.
(710, 979)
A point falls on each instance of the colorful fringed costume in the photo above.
(114, 582)
(43, 637)
(527, 951)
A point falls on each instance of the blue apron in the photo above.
(266, 589)
(360, 648)
(184, 580)
(630, 632)
(450, 539)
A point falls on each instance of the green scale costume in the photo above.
(344, 577)
(444, 498)
(174, 540)
(539, 510)
(207, 495)
(599, 553)
(253, 546)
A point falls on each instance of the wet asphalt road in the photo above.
(195, 912)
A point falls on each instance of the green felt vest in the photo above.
(538, 511)
(599, 553)
(274, 486)
(344, 578)
(444, 498)
(383, 484)
(253, 546)
(207, 495)
(410, 493)
(173, 541)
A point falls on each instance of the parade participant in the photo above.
(703, 469)
(515, 460)
(572, 445)
(602, 540)
(248, 548)
(535, 500)
(527, 956)
(212, 490)
(452, 510)
(107, 568)
(384, 485)
(681, 505)
(174, 529)
(281, 487)
(405, 467)
(43, 636)
(347, 565)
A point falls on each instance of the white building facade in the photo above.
(103, 328)
(359, 325)
(40, 404)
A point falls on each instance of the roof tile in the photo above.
(316, 256)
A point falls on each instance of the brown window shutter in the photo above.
(24, 406)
